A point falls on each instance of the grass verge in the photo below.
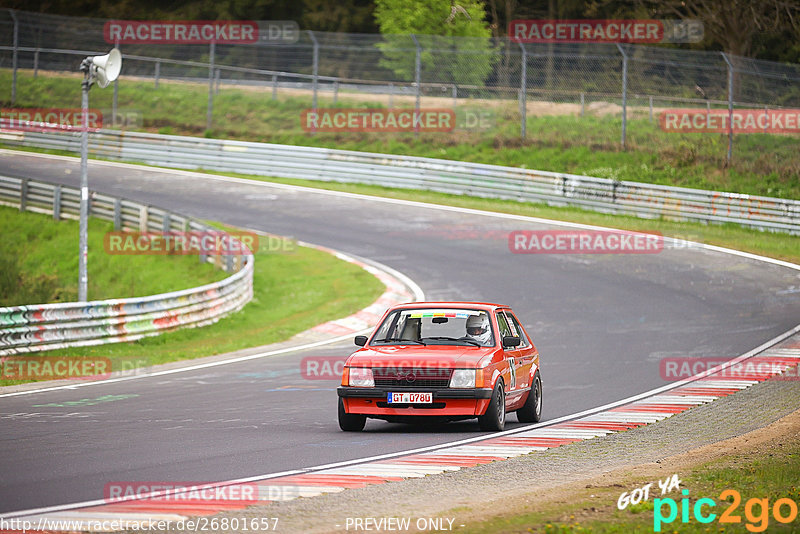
(293, 291)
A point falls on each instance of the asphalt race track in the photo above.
(602, 323)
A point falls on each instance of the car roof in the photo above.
(451, 304)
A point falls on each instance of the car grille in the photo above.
(408, 377)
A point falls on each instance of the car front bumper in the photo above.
(446, 401)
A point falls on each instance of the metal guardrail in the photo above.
(41, 327)
(453, 177)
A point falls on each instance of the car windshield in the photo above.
(436, 326)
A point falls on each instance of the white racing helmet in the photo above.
(478, 328)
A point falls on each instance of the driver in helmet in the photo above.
(478, 329)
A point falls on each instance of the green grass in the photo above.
(293, 291)
(763, 164)
(39, 264)
(594, 509)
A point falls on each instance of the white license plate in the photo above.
(411, 398)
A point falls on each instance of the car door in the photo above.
(511, 355)
(525, 353)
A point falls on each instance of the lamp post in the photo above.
(101, 70)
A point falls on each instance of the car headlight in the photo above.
(361, 377)
(463, 378)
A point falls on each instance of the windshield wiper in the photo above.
(445, 338)
(387, 339)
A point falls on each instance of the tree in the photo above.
(734, 24)
(455, 38)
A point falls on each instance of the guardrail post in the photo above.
(14, 57)
(730, 107)
(143, 218)
(216, 81)
(583, 107)
(455, 96)
(165, 223)
(23, 195)
(157, 73)
(417, 78)
(57, 203)
(766, 118)
(274, 86)
(523, 92)
(651, 109)
(314, 72)
(335, 91)
(391, 95)
(624, 94)
(117, 214)
(210, 112)
(36, 63)
(229, 263)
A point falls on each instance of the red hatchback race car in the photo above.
(443, 360)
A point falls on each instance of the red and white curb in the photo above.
(757, 366)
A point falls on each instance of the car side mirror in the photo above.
(361, 340)
(511, 341)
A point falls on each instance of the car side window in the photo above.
(502, 323)
(514, 324)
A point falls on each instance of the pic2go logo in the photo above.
(756, 511)
(322, 367)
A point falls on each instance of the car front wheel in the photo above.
(350, 422)
(495, 416)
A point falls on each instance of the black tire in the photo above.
(350, 422)
(495, 417)
(531, 411)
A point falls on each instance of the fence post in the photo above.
(766, 117)
(624, 94)
(36, 63)
(57, 203)
(216, 80)
(455, 96)
(523, 91)
(651, 109)
(417, 77)
(583, 107)
(730, 107)
(158, 72)
(14, 57)
(315, 70)
(210, 112)
(116, 93)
